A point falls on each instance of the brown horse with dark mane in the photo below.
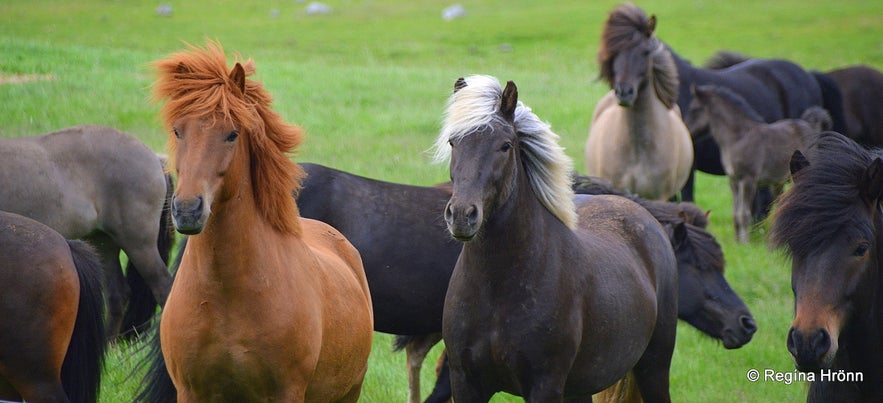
(266, 305)
(52, 336)
(831, 225)
(545, 301)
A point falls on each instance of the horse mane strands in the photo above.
(625, 27)
(197, 83)
(548, 168)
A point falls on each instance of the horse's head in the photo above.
(697, 117)
(631, 57)
(483, 157)
(705, 299)
(829, 222)
(489, 136)
(227, 143)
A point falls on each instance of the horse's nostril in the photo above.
(793, 341)
(748, 324)
(472, 215)
(821, 342)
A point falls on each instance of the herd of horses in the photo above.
(541, 283)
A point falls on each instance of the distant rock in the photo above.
(317, 8)
(452, 12)
(164, 10)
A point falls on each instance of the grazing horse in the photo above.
(52, 336)
(104, 186)
(831, 225)
(520, 316)
(777, 89)
(266, 305)
(753, 153)
(637, 139)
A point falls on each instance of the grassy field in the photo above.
(368, 82)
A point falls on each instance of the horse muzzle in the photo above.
(625, 94)
(189, 215)
(463, 220)
(812, 350)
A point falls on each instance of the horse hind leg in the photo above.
(416, 350)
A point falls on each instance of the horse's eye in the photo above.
(861, 250)
(232, 136)
(177, 133)
(506, 146)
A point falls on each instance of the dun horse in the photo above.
(637, 139)
(753, 153)
(106, 187)
(830, 223)
(521, 316)
(266, 305)
(52, 336)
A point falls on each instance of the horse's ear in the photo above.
(872, 183)
(798, 162)
(678, 235)
(651, 25)
(459, 84)
(509, 101)
(237, 77)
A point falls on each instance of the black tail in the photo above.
(142, 305)
(832, 101)
(401, 342)
(441, 393)
(84, 361)
(157, 386)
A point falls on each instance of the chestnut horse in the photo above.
(536, 278)
(266, 305)
(637, 139)
(52, 336)
(830, 223)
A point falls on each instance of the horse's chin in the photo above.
(189, 231)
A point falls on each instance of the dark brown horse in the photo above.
(102, 185)
(860, 88)
(831, 225)
(52, 336)
(536, 278)
(266, 305)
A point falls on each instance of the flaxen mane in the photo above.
(548, 168)
(627, 27)
(197, 83)
(825, 198)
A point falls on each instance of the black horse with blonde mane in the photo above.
(538, 276)
(266, 305)
(831, 225)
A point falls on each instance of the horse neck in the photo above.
(236, 233)
(512, 229)
(728, 123)
(645, 115)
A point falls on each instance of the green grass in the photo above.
(369, 83)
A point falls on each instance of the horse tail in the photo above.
(401, 342)
(84, 361)
(624, 390)
(442, 392)
(157, 386)
(832, 101)
(142, 304)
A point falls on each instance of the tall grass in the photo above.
(369, 82)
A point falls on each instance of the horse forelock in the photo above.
(549, 170)
(196, 83)
(825, 201)
(625, 28)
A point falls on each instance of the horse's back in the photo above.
(348, 322)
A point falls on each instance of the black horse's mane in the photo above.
(825, 201)
(736, 101)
